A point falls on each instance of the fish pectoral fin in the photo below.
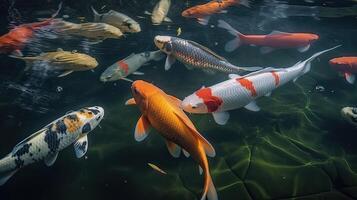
(173, 148)
(265, 50)
(174, 100)
(206, 145)
(130, 102)
(203, 20)
(126, 79)
(185, 153)
(221, 118)
(200, 170)
(252, 106)
(147, 12)
(138, 73)
(65, 73)
(51, 158)
(304, 48)
(142, 128)
(81, 146)
(166, 19)
(350, 78)
(5, 177)
(268, 94)
(170, 60)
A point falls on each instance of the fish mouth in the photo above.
(160, 41)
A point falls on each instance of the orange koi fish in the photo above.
(203, 12)
(162, 112)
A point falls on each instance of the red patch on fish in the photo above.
(276, 77)
(248, 85)
(124, 66)
(212, 102)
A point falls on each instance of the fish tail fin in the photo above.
(236, 42)
(209, 190)
(157, 55)
(306, 65)
(28, 61)
(58, 10)
(5, 172)
(96, 14)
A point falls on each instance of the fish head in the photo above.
(90, 117)
(190, 13)
(113, 73)
(142, 91)
(313, 37)
(113, 32)
(202, 101)
(164, 43)
(350, 114)
(134, 27)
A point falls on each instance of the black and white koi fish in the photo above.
(46, 143)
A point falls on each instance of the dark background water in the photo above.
(297, 147)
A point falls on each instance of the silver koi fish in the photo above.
(129, 65)
(194, 55)
(46, 143)
(242, 91)
(117, 19)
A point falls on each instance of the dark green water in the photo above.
(297, 147)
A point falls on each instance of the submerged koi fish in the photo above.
(162, 112)
(160, 11)
(194, 55)
(117, 19)
(242, 91)
(15, 40)
(350, 114)
(203, 12)
(347, 66)
(67, 61)
(275, 40)
(129, 65)
(46, 143)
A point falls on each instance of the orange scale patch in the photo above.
(276, 77)
(72, 125)
(124, 66)
(248, 85)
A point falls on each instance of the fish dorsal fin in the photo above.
(28, 139)
(207, 50)
(206, 145)
(267, 69)
(278, 33)
(174, 100)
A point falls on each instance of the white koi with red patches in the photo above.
(242, 91)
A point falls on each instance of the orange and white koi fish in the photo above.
(162, 112)
(203, 12)
(15, 40)
(46, 143)
(242, 91)
(270, 42)
(346, 65)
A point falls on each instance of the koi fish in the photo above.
(242, 91)
(46, 143)
(160, 11)
(346, 65)
(15, 40)
(117, 19)
(96, 32)
(203, 12)
(194, 55)
(275, 40)
(129, 65)
(162, 112)
(67, 61)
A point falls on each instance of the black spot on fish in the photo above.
(93, 110)
(52, 140)
(61, 127)
(19, 163)
(31, 154)
(72, 117)
(23, 150)
(86, 128)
